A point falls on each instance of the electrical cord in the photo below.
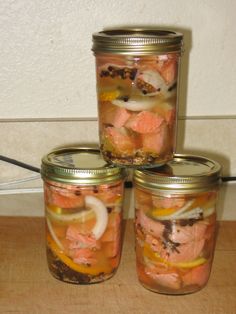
(128, 184)
(19, 163)
(227, 179)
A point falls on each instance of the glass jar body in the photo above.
(137, 107)
(83, 230)
(175, 239)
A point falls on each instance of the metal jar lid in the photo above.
(138, 41)
(182, 174)
(78, 165)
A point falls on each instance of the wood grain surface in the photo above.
(26, 285)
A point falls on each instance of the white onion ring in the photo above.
(136, 104)
(96, 206)
(71, 217)
(101, 214)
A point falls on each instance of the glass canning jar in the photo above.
(137, 74)
(175, 224)
(83, 209)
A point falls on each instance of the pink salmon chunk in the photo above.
(185, 252)
(120, 142)
(170, 280)
(187, 234)
(114, 115)
(168, 71)
(152, 227)
(62, 197)
(84, 256)
(144, 122)
(156, 142)
(197, 276)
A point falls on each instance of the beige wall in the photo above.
(47, 67)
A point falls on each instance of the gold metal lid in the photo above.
(78, 165)
(138, 41)
(183, 173)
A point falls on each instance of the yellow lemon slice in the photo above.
(197, 262)
(154, 256)
(55, 209)
(109, 95)
(91, 270)
(158, 212)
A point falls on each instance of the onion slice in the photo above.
(101, 214)
(136, 103)
(82, 215)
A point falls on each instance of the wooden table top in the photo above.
(26, 286)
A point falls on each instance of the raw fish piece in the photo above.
(166, 111)
(79, 240)
(186, 234)
(84, 256)
(169, 280)
(167, 202)
(197, 276)
(63, 198)
(175, 252)
(168, 70)
(113, 115)
(150, 226)
(118, 141)
(144, 122)
(156, 142)
(184, 252)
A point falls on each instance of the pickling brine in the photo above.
(137, 101)
(83, 213)
(83, 231)
(175, 239)
(175, 224)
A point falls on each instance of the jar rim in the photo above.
(139, 41)
(183, 173)
(78, 165)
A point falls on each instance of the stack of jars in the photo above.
(175, 195)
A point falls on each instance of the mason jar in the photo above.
(137, 74)
(175, 224)
(83, 210)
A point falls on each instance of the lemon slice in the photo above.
(197, 262)
(109, 95)
(155, 257)
(162, 212)
(94, 270)
(55, 209)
